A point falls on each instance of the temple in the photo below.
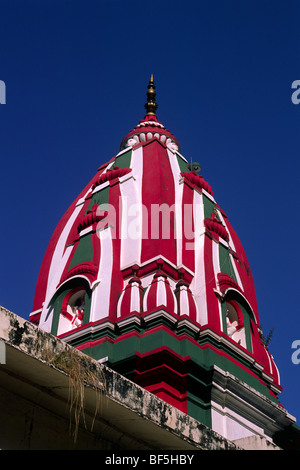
(145, 273)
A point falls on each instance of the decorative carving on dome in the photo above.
(159, 294)
(132, 141)
(225, 281)
(131, 298)
(111, 174)
(198, 181)
(150, 123)
(149, 129)
(73, 308)
(173, 146)
(215, 225)
(161, 274)
(234, 322)
(91, 217)
(88, 269)
(146, 135)
(185, 299)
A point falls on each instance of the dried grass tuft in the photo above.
(81, 372)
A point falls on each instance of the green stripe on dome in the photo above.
(225, 262)
(123, 160)
(99, 197)
(183, 165)
(84, 251)
(209, 207)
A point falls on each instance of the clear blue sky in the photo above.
(76, 74)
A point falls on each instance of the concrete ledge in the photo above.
(256, 443)
(44, 404)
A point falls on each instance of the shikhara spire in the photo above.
(151, 106)
(146, 270)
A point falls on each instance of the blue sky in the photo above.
(76, 74)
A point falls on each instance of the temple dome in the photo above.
(146, 258)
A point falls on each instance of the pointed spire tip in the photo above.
(151, 105)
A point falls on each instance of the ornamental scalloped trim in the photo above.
(90, 218)
(147, 130)
(197, 180)
(142, 137)
(225, 282)
(214, 225)
(111, 174)
(87, 268)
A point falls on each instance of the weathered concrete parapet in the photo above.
(26, 337)
(35, 384)
(256, 443)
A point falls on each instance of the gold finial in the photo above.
(151, 106)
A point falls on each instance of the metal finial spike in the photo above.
(151, 105)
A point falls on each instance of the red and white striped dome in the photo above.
(146, 236)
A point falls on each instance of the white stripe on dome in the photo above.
(184, 307)
(135, 304)
(198, 286)
(217, 270)
(145, 299)
(131, 223)
(58, 262)
(136, 163)
(161, 293)
(120, 303)
(102, 292)
(175, 301)
(178, 204)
